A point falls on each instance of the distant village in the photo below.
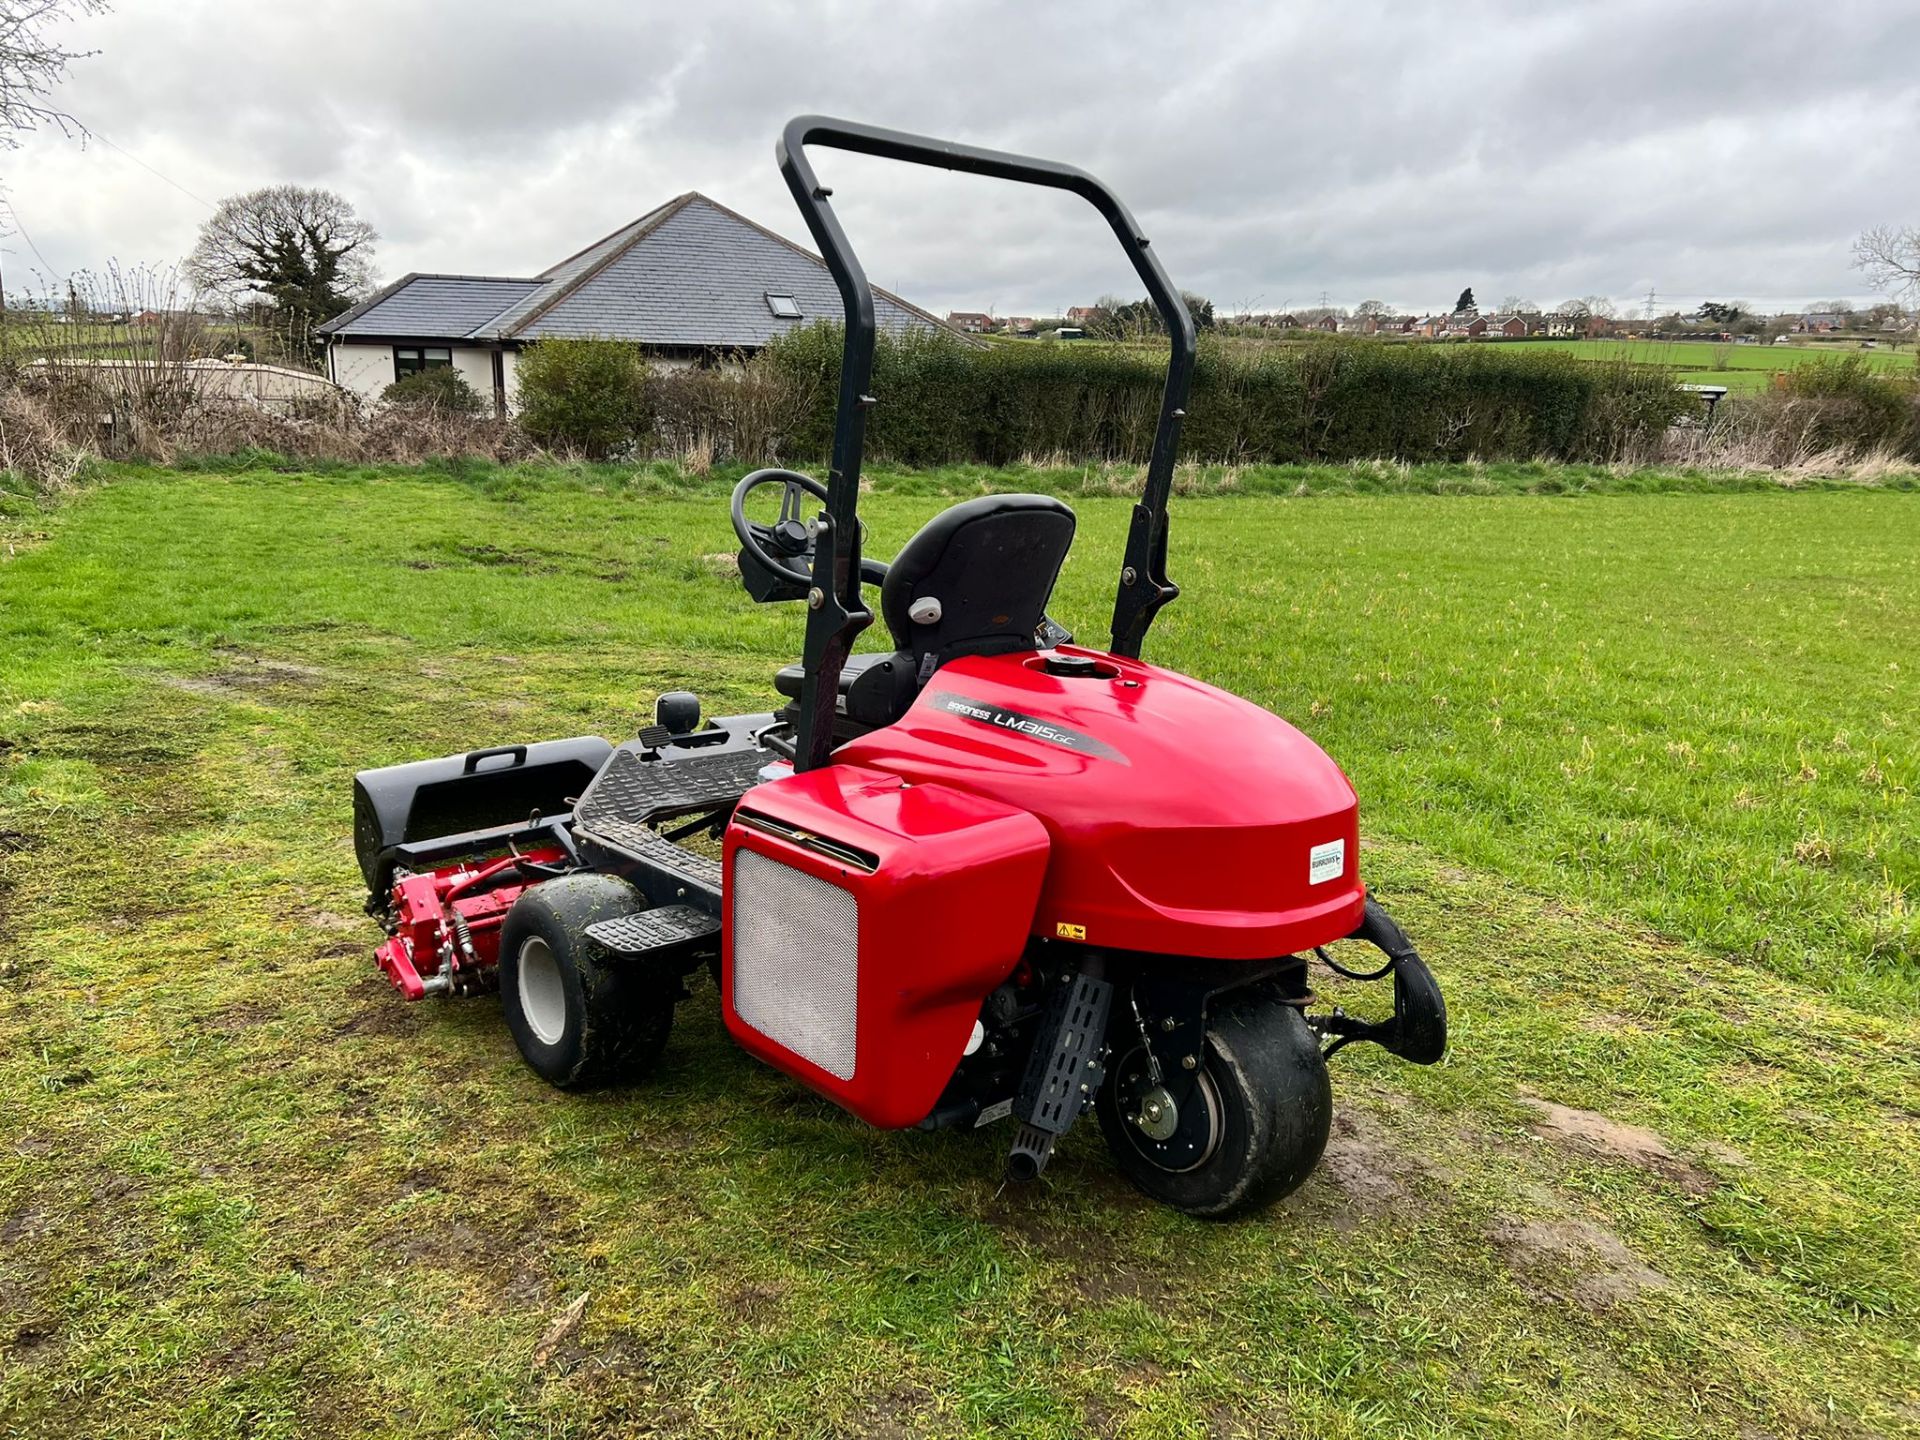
(1591, 319)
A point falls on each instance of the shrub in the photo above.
(1321, 399)
(585, 395)
(1841, 402)
(441, 389)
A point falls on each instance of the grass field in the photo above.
(1637, 773)
(1739, 367)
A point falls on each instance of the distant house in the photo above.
(1019, 324)
(1819, 323)
(1563, 326)
(1428, 325)
(1328, 323)
(1084, 314)
(1359, 325)
(971, 322)
(691, 282)
(1502, 327)
(1465, 325)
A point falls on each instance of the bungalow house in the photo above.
(691, 282)
(972, 322)
(1820, 323)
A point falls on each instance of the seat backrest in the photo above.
(991, 563)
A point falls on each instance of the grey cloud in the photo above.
(1361, 148)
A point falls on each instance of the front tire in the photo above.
(580, 1017)
(1269, 1106)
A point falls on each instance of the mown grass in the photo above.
(1636, 771)
(1739, 367)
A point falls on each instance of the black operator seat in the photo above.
(974, 581)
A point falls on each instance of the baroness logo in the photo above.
(1031, 726)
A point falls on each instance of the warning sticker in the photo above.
(1326, 862)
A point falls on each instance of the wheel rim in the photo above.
(543, 996)
(1197, 1135)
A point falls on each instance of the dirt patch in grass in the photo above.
(1372, 1174)
(244, 674)
(242, 1016)
(1105, 1280)
(1576, 1260)
(1592, 1133)
(754, 1303)
(377, 1010)
(892, 1415)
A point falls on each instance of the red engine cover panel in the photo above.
(1184, 820)
(945, 883)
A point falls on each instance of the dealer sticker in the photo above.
(1325, 862)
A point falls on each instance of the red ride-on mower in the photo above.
(989, 874)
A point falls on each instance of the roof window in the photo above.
(783, 307)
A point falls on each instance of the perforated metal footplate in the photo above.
(664, 928)
(1068, 1061)
(637, 842)
(634, 790)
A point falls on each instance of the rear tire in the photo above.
(1272, 1105)
(580, 1017)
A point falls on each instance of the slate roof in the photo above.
(435, 307)
(691, 273)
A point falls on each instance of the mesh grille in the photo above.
(796, 942)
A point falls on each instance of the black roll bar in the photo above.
(835, 614)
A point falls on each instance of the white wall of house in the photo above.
(368, 369)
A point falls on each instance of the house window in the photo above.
(783, 307)
(411, 360)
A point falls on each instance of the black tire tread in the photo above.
(624, 1011)
(1278, 1099)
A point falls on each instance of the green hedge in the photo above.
(585, 395)
(1329, 399)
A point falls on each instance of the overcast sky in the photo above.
(1273, 152)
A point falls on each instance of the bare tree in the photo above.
(303, 252)
(1600, 305)
(1373, 307)
(31, 64)
(1518, 305)
(1890, 257)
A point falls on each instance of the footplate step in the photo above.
(1064, 1073)
(648, 932)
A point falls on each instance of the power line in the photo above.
(14, 214)
(168, 179)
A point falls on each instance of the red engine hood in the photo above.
(1183, 820)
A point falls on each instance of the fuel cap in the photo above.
(1084, 665)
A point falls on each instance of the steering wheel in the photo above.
(785, 547)
(786, 540)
